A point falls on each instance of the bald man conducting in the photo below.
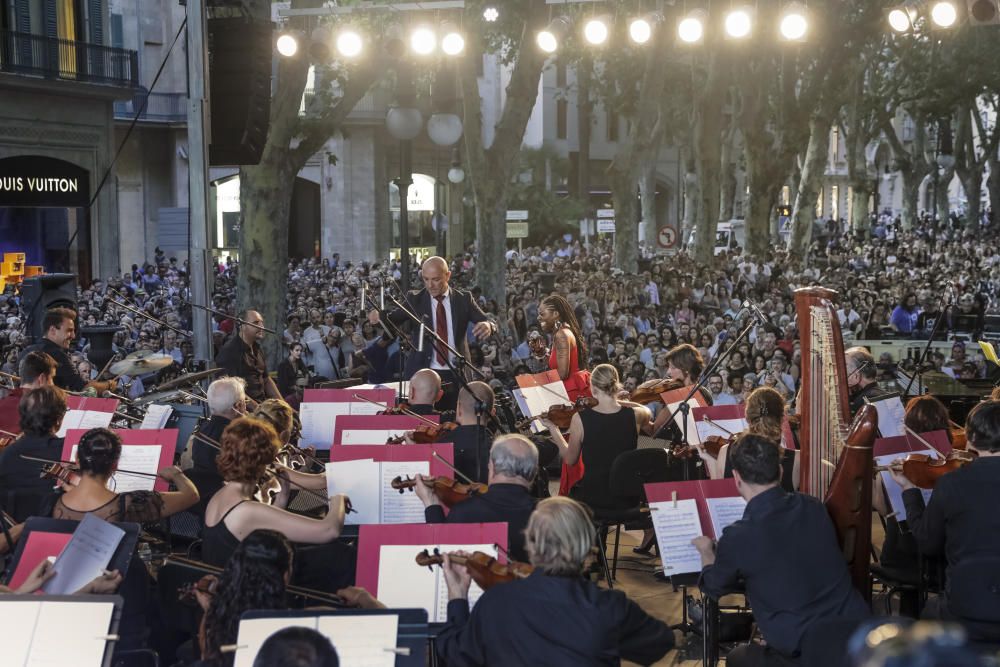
(243, 357)
(448, 312)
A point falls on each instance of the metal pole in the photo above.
(198, 140)
(404, 182)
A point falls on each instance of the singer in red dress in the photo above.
(556, 317)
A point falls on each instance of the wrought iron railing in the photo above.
(160, 107)
(52, 58)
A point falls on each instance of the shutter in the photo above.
(49, 25)
(22, 16)
(95, 20)
(117, 31)
(172, 230)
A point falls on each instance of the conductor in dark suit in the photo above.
(444, 310)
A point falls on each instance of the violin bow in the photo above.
(76, 466)
(712, 422)
(452, 468)
(429, 422)
(8, 434)
(920, 438)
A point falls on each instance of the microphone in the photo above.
(381, 296)
(420, 338)
(362, 307)
(761, 318)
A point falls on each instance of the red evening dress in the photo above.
(577, 385)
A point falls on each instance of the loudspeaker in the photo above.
(100, 340)
(41, 293)
(239, 61)
(546, 282)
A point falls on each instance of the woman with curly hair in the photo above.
(249, 446)
(557, 318)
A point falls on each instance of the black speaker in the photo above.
(41, 293)
(239, 61)
(100, 340)
(546, 282)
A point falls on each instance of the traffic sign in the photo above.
(605, 225)
(605, 213)
(517, 215)
(517, 230)
(667, 237)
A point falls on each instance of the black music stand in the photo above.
(412, 637)
(116, 600)
(120, 561)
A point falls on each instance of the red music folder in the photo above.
(138, 454)
(384, 396)
(375, 429)
(396, 453)
(905, 444)
(91, 404)
(698, 490)
(40, 545)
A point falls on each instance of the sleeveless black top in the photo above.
(605, 436)
(217, 542)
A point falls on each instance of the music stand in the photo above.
(111, 635)
(412, 638)
(43, 525)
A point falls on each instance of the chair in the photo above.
(629, 472)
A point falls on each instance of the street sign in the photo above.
(517, 230)
(605, 225)
(517, 215)
(606, 213)
(667, 237)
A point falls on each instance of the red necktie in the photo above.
(441, 329)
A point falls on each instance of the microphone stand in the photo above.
(923, 355)
(227, 316)
(141, 313)
(393, 330)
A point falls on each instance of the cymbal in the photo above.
(157, 397)
(140, 363)
(188, 378)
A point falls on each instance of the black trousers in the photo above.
(757, 655)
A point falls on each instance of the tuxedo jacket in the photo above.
(464, 310)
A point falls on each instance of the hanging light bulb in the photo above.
(549, 38)
(738, 23)
(794, 23)
(596, 30)
(691, 28)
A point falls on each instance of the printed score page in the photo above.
(85, 419)
(136, 458)
(725, 511)
(85, 556)
(403, 507)
(361, 641)
(720, 427)
(359, 481)
(894, 490)
(404, 584)
(319, 422)
(157, 416)
(80, 625)
(890, 416)
(675, 528)
(375, 436)
(254, 632)
(18, 620)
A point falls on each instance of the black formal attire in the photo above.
(423, 409)
(204, 474)
(67, 376)
(290, 374)
(605, 436)
(238, 359)
(787, 469)
(550, 620)
(472, 450)
(22, 490)
(502, 503)
(463, 311)
(784, 554)
(872, 392)
(962, 523)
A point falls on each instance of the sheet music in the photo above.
(719, 427)
(725, 511)
(136, 458)
(534, 400)
(359, 480)
(81, 627)
(365, 408)
(675, 528)
(403, 507)
(893, 490)
(85, 419)
(85, 556)
(890, 416)
(319, 422)
(375, 436)
(37, 633)
(692, 425)
(156, 416)
(361, 641)
(404, 584)
(255, 631)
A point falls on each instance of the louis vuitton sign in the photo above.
(34, 180)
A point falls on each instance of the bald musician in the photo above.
(444, 310)
(425, 391)
(243, 357)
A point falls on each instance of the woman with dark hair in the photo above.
(41, 412)
(293, 375)
(518, 325)
(97, 456)
(925, 414)
(254, 578)
(557, 318)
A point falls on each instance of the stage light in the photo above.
(423, 41)
(548, 39)
(738, 23)
(491, 14)
(794, 23)
(453, 43)
(640, 30)
(287, 45)
(944, 14)
(349, 43)
(899, 20)
(596, 31)
(691, 29)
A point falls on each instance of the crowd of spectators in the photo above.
(895, 284)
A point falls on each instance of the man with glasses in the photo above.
(862, 376)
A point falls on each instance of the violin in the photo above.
(402, 409)
(6, 440)
(923, 471)
(424, 434)
(449, 491)
(561, 415)
(64, 474)
(649, 392)
(206, 585)
(269, 487)
(713, 444)
(485, 570)
(958, 439)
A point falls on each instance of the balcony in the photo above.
(59, 59)
(160, 107)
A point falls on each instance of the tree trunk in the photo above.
(647, 199)
(813, 167)
(943, 178)
(765, 178)
(993, 185)
(691, 197)
(911, 195)
(708, 126)
(728, 184)
(623, 193)
(861, 193)
(972, 184)
(584, 125)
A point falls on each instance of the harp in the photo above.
(836, 464)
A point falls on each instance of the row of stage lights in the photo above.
(349, 42)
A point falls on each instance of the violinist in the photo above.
(280, 415)
(862, 377)
(22, 490)
(227, 400)
(97, 455)
(424, 392)
(684, 363)
(472, 437)
(36, 369)
(249, 446)
(513, 465)
(961, 523)
(554, 616)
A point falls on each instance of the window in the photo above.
(835, 202)
(562, 112)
